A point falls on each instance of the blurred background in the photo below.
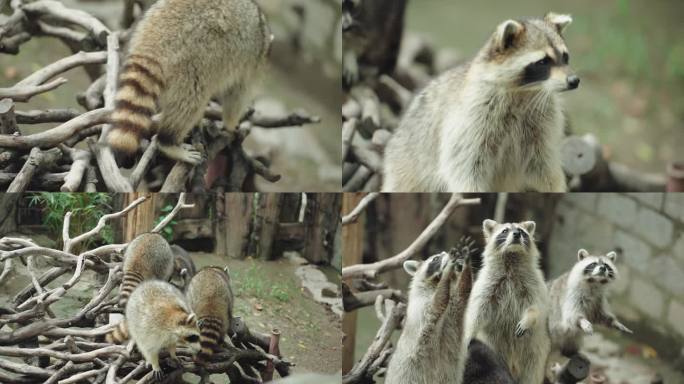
(646, 230)
(304, 74)
(628, 53)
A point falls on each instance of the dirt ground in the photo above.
(267, 296)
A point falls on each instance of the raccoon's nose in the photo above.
(516, 234)
(573, 82)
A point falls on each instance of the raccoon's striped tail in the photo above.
(130, 281)
(119, 334)
(140, 83)
(211, 335)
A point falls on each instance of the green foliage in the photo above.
(86, 209)
(252, 283)
(167, 231)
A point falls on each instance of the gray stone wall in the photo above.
(647, 230)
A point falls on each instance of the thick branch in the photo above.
(373, 269)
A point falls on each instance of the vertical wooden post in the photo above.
(321, 221)
(352, 253)
(238, 212)
(268, 218)
(141, 219)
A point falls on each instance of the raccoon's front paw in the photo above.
(520, 330)
(158, 376)
(175, 363)
(618, 325)
(586, 326)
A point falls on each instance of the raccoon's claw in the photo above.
(621, 327)
(520, 330)
(586, 326)
(158, 376)
(175, 363)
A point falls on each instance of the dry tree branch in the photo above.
(394, 313)
(352, 216)
(373, 269)
(179, 205)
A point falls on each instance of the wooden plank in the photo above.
(322, 220)
(267, 223)
(352, 253)
(238, 210)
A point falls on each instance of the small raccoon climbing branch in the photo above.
(93, 166)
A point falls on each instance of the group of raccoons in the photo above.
(158, 316)
(499, 326)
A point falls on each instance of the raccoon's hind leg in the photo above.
(233, 99)
(179, 116)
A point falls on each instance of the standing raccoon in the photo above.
(183, 53)
(509, 301)
(430, 348)
(147, 257)
(211, 298)
(158, 317)
(492, 124)
(578, 300)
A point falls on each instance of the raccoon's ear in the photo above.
(612, 256)
(582, 253)
(560, 21)
(411, 266)
(190, 319)
(488, 227)
(529, 226)
(507, 33)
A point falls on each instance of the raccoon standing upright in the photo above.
(508, 306)
(146, 257)
(158, 317)
(430, 348)
(578, 300)
(182, 53)
(211, 298)
(492, 124)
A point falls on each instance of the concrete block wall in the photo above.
(647, 230)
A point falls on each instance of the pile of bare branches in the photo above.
(377, 93)
(72, 349)
(54, 160)
(359, 289)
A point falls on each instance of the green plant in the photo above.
(167, 231)
(86, 209)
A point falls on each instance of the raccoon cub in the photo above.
(183, 266)
(578, 300)
(509, 301)
(183, 53)
(492, 124)
(430, 349)
(158, 317)
(148, 256)
(211, 298)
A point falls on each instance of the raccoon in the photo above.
(509, 301)
(159, 317)
(492, 124)
(148, 256)
(430, 348)
(484, 366)
(211, 298)
(578, 300)
(183, 266)
(182, 53)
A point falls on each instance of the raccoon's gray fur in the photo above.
(182, 53)
(578, 300)
(430, 348)
(158, 317)
(146, 257)
(492, 124)
(508, 307)
(211, 297)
